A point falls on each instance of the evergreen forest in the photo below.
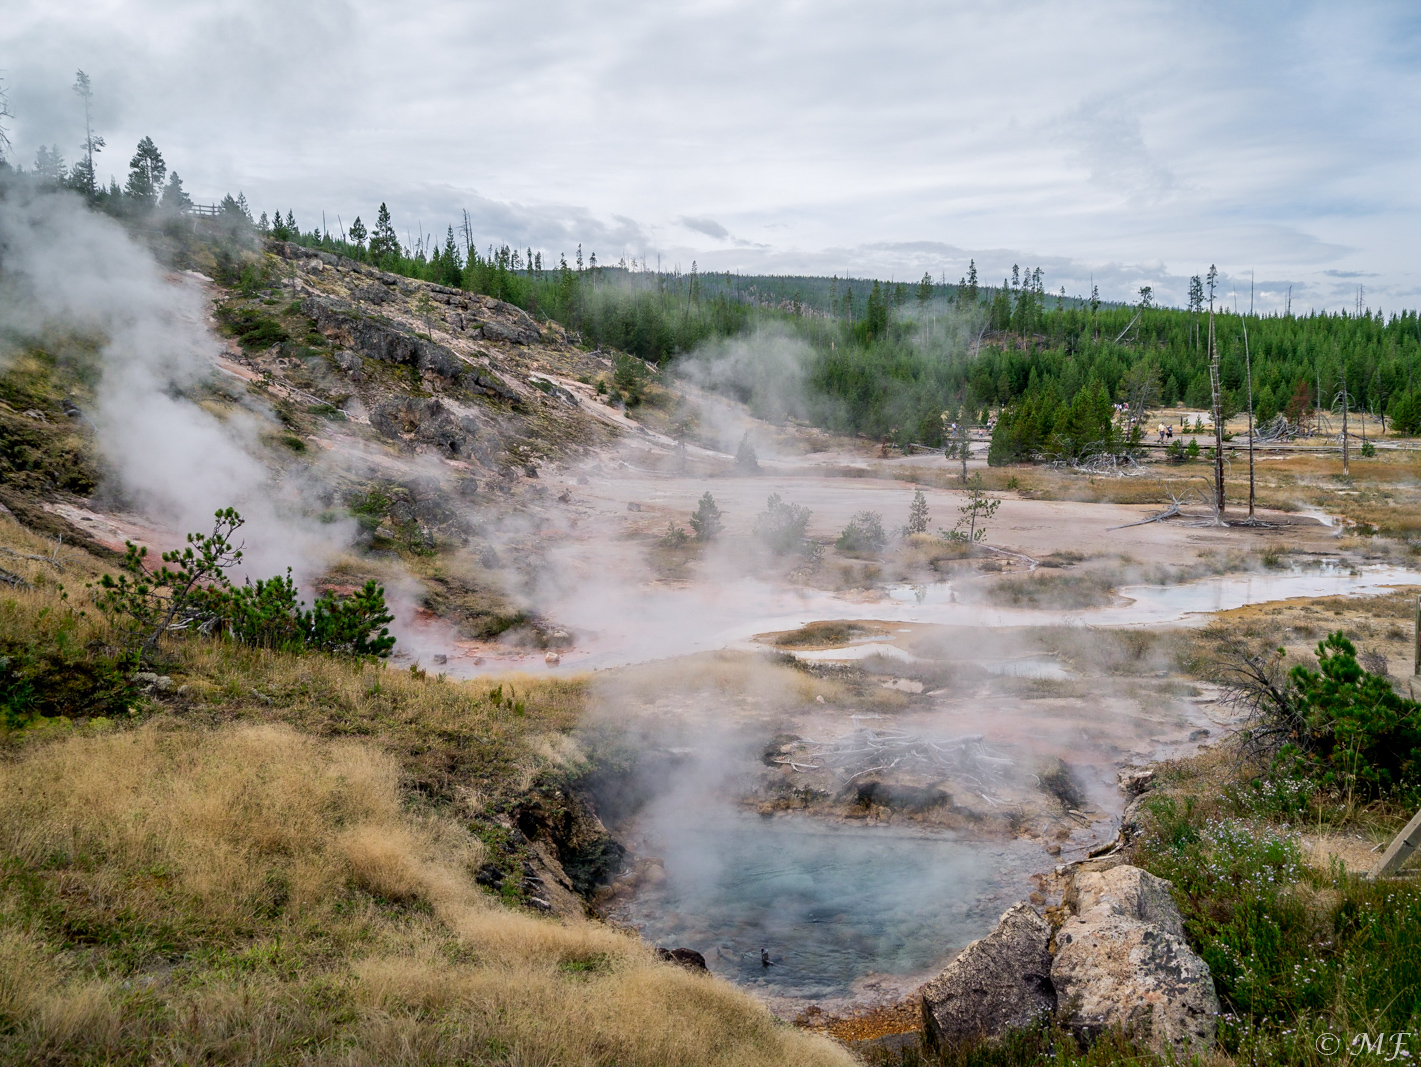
(898, 361)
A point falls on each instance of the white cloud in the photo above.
(1277, 136)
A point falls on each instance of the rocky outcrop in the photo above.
(373, 337)
(897, 796)
(1122, 961)
(999, 983)
(688, 958)
(427, 420)
(1127, 891)
(555, 816)
(510, 332)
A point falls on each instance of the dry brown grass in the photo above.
(268, 862)
(448, 735)
(251, 895)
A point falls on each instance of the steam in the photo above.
(70, 277)
(765, 372)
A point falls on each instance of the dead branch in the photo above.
(1257, 684)
(54, 559)
(1168, 513)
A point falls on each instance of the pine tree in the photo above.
(925, 290)
(918, 514)
(999, 313)
(357, 235)
(175, 198)
(82, 178)
(745, 457)
(384, 243)
(875, 319)
(972, 281)
(706, 519)
(451, 268)
(1196, 294)
(146, 171)
(50, 165)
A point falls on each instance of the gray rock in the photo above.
(514, 333)
(999, 983)
(688, 958)
(428, 421)
(1111, 971)
(1122, 960)
(1135, 780)
(1127, 891)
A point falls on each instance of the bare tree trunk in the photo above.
(1248, 370)
(1218, 422)
(1345, 469)
(963, 443)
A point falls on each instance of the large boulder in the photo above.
(1127, 891)
(1122, 961)
(999, 983)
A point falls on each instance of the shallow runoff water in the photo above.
(661, 622)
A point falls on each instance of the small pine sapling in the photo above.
(781, 526)
(706, 520)
(674, 537)
(745, 457)
(918, 514)
(192, 593)
(864, 533)
(973, 513)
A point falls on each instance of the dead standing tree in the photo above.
(1218, 405)
(1343, 399)
(1248, 374)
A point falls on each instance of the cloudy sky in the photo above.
(1125, 143)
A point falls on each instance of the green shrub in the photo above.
(781, 526)
(253, 329)
(1360, 734)
(194, 595)
(1293, 950)
(706, 519)
(864, 533)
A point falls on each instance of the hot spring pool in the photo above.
(831, 903)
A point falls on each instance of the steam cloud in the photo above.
(67, 274)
